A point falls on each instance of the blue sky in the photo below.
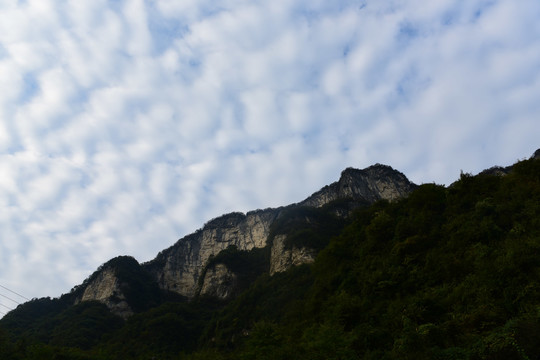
(125, 125)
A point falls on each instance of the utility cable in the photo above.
(15, 301)
(7, 307)
(13, 292)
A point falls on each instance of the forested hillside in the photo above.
(445, 273)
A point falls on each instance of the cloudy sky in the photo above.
(126, 124)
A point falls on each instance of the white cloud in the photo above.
(139, 41)
(125, 125)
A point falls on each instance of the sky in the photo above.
(127, 124)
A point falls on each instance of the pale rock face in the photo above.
(282, 258)
(106, 289)
(219, 282)
(183, 263)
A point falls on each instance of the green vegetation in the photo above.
(447, 273)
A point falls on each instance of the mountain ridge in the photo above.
(183, 269)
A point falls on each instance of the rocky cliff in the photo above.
(179, 267)
(283, 257)
(184, 267)
(106, 288)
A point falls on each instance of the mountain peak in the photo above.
(377, 182)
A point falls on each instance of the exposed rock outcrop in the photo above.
(496, 171)
(178, 268)
(283, 257)
(219, 282)
(105, 287)
(374, 183)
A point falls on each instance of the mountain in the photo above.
(191, 266)
(369, 267)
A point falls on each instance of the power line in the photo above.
(15, 301)
(7, 307)
(13, 292)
